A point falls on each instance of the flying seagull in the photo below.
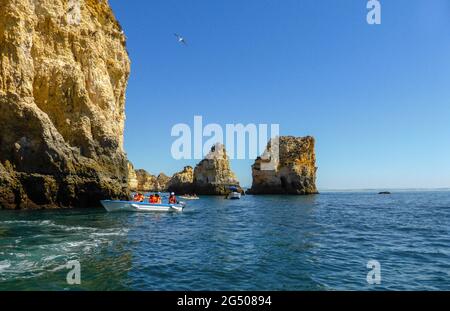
(180, 39)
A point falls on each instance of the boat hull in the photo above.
(130, 206)
(234, 196)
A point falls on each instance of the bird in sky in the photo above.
(180, 39)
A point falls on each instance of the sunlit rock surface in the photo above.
(132, 178)
(147, 182)
(213, 175)
(293, 173)
(182, 182)
(63, 74)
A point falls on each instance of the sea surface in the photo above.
(321, 242)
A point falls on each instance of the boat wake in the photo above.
(31, 248)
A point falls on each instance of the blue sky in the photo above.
(376, 98)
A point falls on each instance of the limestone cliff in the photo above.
(63, 74)
(182, 182)
(213, 174)
(163, 182)
(132, 178)
(147, 182)
(293, 173)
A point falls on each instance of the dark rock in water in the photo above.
(384, 192)
(294, 172)
(62, 98)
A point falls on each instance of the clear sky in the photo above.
(375, 97)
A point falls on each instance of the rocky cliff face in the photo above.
(182, 182)
(132, 178)
(63, 73)
(163, 182)
(213, 174)
(294, 173)
(147, 182)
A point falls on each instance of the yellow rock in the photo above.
(63, 73)
(294, 172)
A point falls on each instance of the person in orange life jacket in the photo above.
(151, 199)
(172, 199)
(138, 197)
(158, 199)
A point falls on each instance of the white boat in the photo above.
(131, 206)
(234, 196)
(188, 197)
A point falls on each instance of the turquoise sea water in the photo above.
(318, 242)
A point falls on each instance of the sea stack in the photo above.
(182, 182)
(294, 172)
(64, 71)
(213, 175)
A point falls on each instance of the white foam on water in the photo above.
(68, 228)
(27, 269)
(58, 268)
(51, 258)
(120, 232)
(62, 243)
(4, 264)
(27, 222)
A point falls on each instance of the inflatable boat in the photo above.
(131, 206)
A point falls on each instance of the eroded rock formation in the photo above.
(293, 173)
(132, 178)
(147, 182)
(163, 182)
(182, 182)
(63, 73)
(213, 174)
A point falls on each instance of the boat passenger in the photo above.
(158, 199)
(138, 197)
(172, 198)
(151, 199)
